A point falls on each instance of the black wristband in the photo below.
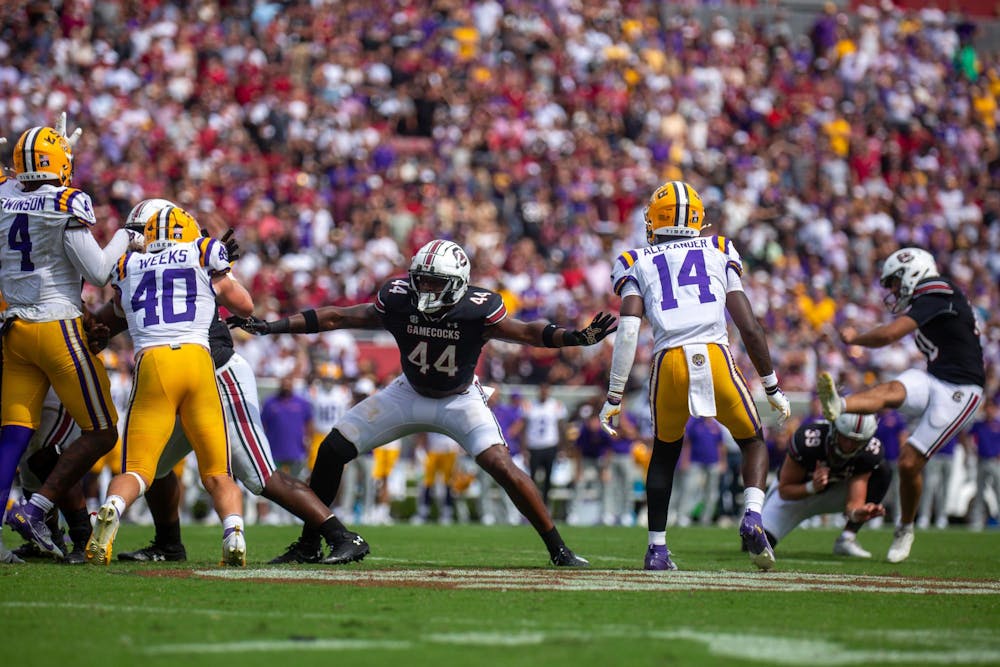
(279, 326)
(312, 321)
(549, 335)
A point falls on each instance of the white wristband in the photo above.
(769, 380)
(810, 488)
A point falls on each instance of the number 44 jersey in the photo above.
(439, 353)
(683, 284)
(167, 296)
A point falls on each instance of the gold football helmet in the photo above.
(170, 225)
(675, 209)
(43, 154)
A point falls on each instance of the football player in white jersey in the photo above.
(46, 251)
(684, 284)
(168, 296)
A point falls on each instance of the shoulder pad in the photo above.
(77, 204)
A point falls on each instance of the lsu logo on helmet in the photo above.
(43, 154)
(675, 209)
(168, 226)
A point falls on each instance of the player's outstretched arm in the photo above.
(755, 341)
(327, 318)
(231, 294)
(546, 334)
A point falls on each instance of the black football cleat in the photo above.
(156, 553)
(351, 548)
(78, 556)
(566, 558)
(299, 551)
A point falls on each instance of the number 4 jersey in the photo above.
(439, 354)
(38, 279)
(167, 296)
(683, 284)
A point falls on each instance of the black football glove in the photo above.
(232, 247)
(598, 329)
(253, 325)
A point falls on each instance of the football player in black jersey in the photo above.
(836, 466)
(440, 323)
(938, 403)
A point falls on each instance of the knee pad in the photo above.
(336, 445)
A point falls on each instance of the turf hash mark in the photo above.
(614, 580)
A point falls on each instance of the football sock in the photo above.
(848, 534)
(232, 522)
(41, 502)
(553, 540)
(658, 537)
(168, 533)
(118, 503)
(753, 499)
(660, 481)
(79, 526)
(332, 529)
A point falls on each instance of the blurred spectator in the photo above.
(985, 436)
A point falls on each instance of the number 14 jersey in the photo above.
(683, 284)
(167, 296)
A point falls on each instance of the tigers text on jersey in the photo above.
(37, 277)
(947, 332)
(438, 354)
(168, 296)
(683, 284)
(809, 448)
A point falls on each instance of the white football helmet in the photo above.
(141, 213)
(439, 275)
(855, 427)
(909, 266)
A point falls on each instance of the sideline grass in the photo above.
(131, 614)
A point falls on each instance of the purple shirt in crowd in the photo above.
(284, 419)
(507, 415)
(891, 425)
(986, 433)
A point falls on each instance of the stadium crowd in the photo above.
(339, 137)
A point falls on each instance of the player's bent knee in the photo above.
(337, 446)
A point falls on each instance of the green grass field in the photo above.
(470, 595)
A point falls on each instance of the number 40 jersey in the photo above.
(167, 296)
(683, 284)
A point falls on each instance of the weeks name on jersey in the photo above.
(164, 257)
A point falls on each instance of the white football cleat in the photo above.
(829, 399)
(98, 549)
(901, 543)
(849, 547)
(234, 548)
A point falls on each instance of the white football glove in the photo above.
(61, 129)
(779, 402)
(609, 417)
(136, 240)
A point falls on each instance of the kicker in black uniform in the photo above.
(938, 403)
